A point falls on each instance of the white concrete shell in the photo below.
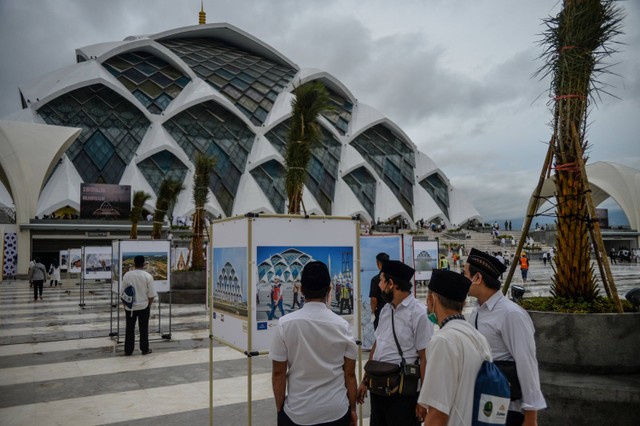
(613, 180)
(249, 196)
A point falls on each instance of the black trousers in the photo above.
(395, 410)
(515, 418)
(142, 317)
(284, 420)
(37, 287)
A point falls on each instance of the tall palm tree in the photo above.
(577, 41)
(311, 99)
(139, 198)
(204, 165)
(167, 196)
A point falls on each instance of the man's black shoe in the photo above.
(148, 352)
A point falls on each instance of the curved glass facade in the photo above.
(252, 83)
(340, 117)
(270, 178)
(150, 79)
(363, 186)
(439, 191)
(392, 158)
(161, 166)
(210, 129)
(112, 129)
(322, 172)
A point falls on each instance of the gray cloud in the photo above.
(454, 75)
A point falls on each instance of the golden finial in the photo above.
(202, 16)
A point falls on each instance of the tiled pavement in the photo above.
(58, 364)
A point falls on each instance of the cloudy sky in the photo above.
(455, 75)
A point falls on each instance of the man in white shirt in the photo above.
(313, 357)
(413, 331)
(455, 354)
(510, 333)
(145, 293)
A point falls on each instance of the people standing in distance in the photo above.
(510, 333)
(524, 267)
(375, 294)
(37, 275)
(54, 274)
(145, 293)
(413, 332)
(313, 357)
(455, 354)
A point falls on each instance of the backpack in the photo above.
(128, 297)
(491, 396)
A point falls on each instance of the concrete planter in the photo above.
(588, 343)
(187, 287)
(589, 367)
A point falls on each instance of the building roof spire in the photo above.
(202, 16)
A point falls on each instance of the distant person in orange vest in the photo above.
(524, 267)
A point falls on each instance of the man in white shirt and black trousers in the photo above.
(313, 357)
(413, 332)
(510, 333)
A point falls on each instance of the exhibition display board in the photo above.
(63, 260)
(75, 260)
(96, 263)
(256, 267)
(370, 246)
(156, 253)
(425, 258)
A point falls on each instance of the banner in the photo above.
(105, 201)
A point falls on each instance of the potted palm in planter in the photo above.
(190, 286)
(167, 195)
(311, 99)
(585, 341)
(139, 198)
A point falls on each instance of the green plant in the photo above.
(577, 41)
(204, 165)
(311, 100)
(598, 304)
(139, 198)
(167, 195)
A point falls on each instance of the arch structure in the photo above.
(613, 180)
(148, 105)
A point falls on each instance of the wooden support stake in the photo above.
(596, 235)
(534, 204)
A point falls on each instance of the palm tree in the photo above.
(577, 41)
(204, 165)
(139, 198)
(167, 195)
(311, 100)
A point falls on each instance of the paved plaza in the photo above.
(58, 364)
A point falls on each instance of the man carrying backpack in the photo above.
(139, 308)
(509, 331)
(456, 353)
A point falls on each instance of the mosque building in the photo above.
(132, 113)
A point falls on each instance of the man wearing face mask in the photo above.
(509, 331)
(413, 331)
(455, 354)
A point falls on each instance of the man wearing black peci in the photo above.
(509, 331)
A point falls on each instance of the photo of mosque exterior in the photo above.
(284, 268)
